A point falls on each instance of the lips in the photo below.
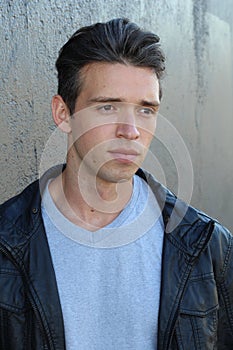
(124, 155)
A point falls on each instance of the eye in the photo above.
(106, 108)
(147, 111)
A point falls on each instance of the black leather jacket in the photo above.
(196, 307)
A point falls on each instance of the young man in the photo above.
(92, 255)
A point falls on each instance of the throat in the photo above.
(88, 207)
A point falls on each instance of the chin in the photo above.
(118, 176)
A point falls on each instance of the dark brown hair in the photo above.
(118, 40)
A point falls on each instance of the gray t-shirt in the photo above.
(109, 280)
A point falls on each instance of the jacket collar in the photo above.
(183, 225)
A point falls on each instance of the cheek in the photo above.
(94, 138)
(85, 143)
(146, 137)
(147, 128)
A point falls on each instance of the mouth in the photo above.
(124, 155)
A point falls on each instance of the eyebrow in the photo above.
(117, 99)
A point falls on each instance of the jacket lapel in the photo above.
(44, 289)
(28, 249)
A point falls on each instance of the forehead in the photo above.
(120, 80)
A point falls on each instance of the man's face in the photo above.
(114, 119)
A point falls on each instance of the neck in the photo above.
(88, 201)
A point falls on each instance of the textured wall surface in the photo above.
(197, 38)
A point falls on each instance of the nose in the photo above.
(127, 129)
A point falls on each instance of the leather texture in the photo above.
(196, 304)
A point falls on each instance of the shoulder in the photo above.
(16, 205)
(19, 216)
(221, 248)
(30, 197)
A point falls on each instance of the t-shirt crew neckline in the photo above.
(124, 229)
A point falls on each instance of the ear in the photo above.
(61, 114)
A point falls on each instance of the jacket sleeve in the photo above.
(222, 253)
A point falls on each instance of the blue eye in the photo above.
(106, 108)
(147, 111)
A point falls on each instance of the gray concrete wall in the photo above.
(198, 89)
